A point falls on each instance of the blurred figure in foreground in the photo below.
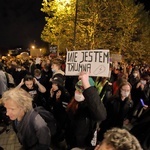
(33, 134)
(118, 139)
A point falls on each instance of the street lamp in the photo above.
(33, 47)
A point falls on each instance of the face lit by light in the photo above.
(29, 84)
(126, 88)
(13, 110)
(54, 67)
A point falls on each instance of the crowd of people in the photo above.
(90, 112)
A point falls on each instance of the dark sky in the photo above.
(21, 22)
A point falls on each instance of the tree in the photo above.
(121, 26)
(59, 28)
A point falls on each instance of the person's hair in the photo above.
(57, 61)
(72, 106)
(125, 83)
(121, 139)
(145, 76)
(37, 72)
(120, 87)
(121, 79)
(28, 77)
(47, 67)
(20, 96)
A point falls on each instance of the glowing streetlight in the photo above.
(33, 47)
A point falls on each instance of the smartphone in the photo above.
(142, 102)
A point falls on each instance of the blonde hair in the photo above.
(121, 139)
(20, 96)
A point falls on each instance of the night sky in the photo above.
(21, 23)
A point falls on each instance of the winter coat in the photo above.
(117, 112)
(80, 124)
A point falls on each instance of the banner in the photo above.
(94, 61)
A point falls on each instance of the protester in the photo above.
(56, 69)
(32, 86)
(33, 134)
(118, 139)
(104, 88)
(19, 73)
(59, 99)
(119, 109)
(84, 111)
(32, 66)
(142, 92)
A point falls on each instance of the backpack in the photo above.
(48, 117)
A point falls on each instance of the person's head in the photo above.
(119, 139)
(46, 67)
(29, 81)
(136, 73)
(37, 73)
(125, 90)
(144, 79)
(56, 64)
(79, 90)
(57, 82)
(16, 101)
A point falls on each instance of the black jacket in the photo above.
(117, 112)
(141, 129)
(80, 125)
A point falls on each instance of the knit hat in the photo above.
(80, 87)
(58, 81)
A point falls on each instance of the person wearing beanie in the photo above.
(84, 111)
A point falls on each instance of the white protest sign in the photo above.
(94, 61)
(38, 60)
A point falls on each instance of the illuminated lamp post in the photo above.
(33, 47)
